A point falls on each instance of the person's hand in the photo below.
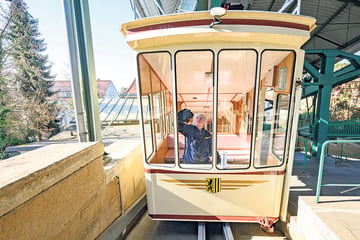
(185, 115)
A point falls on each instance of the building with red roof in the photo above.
(105, 90)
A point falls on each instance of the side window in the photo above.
(155, 79)
(275, 85)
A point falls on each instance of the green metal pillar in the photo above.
(204, 5)
(321, 118)
(324, 79)
(215, 3)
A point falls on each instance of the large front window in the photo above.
(252, 110)
(236, 83)
(194, 83)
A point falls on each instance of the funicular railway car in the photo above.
(239, 69)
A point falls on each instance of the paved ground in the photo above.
(337, 214)
(335, 171)
(110, 135)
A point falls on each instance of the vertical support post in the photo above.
(214, 3)
(325, 80)
(322, 118)
(202, 5)
(82, 33)
(91, 96)
(76, 78)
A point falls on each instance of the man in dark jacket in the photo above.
(198, 139)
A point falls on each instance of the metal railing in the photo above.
(321, 168)
(306, 145)
(347, 128)
(342, 149)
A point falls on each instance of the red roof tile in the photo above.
(65, 86)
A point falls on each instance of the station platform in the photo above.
(337, 214)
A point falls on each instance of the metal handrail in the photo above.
(347, 128)
(321, 168)
(342, 147)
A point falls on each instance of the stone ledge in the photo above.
(26, 175)
(335, 217)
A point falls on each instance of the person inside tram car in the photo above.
(198, 139)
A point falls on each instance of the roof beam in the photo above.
(339, 77)
(350, 43)
(271, 5)
(330, 41)
(334, 15)
(355, 2)
(309, 91)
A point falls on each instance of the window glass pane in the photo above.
(273, 107)
(163, 116)
(133, 113)
(282, 105)
(123, 114)
(147, 125)
(158, 118)
(155, 79)
(237, 71)
(194, 78)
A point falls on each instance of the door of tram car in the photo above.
(239, 86)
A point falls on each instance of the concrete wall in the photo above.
(62, 192)
(130, 172)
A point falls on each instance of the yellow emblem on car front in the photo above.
(213, 185)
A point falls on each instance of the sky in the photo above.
(114, 60)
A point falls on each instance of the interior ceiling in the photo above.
(338, 21)
(194, 76)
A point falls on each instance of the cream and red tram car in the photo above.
(241, 73)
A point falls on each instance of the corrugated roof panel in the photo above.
(147, 8)
(260, 5)
(104, 114)
(338, 21)
(170, 6)
(122, 116)
(325, 10)
(133, 112)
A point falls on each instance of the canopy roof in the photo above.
(338, 21)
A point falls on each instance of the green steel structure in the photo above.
(321, 83)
